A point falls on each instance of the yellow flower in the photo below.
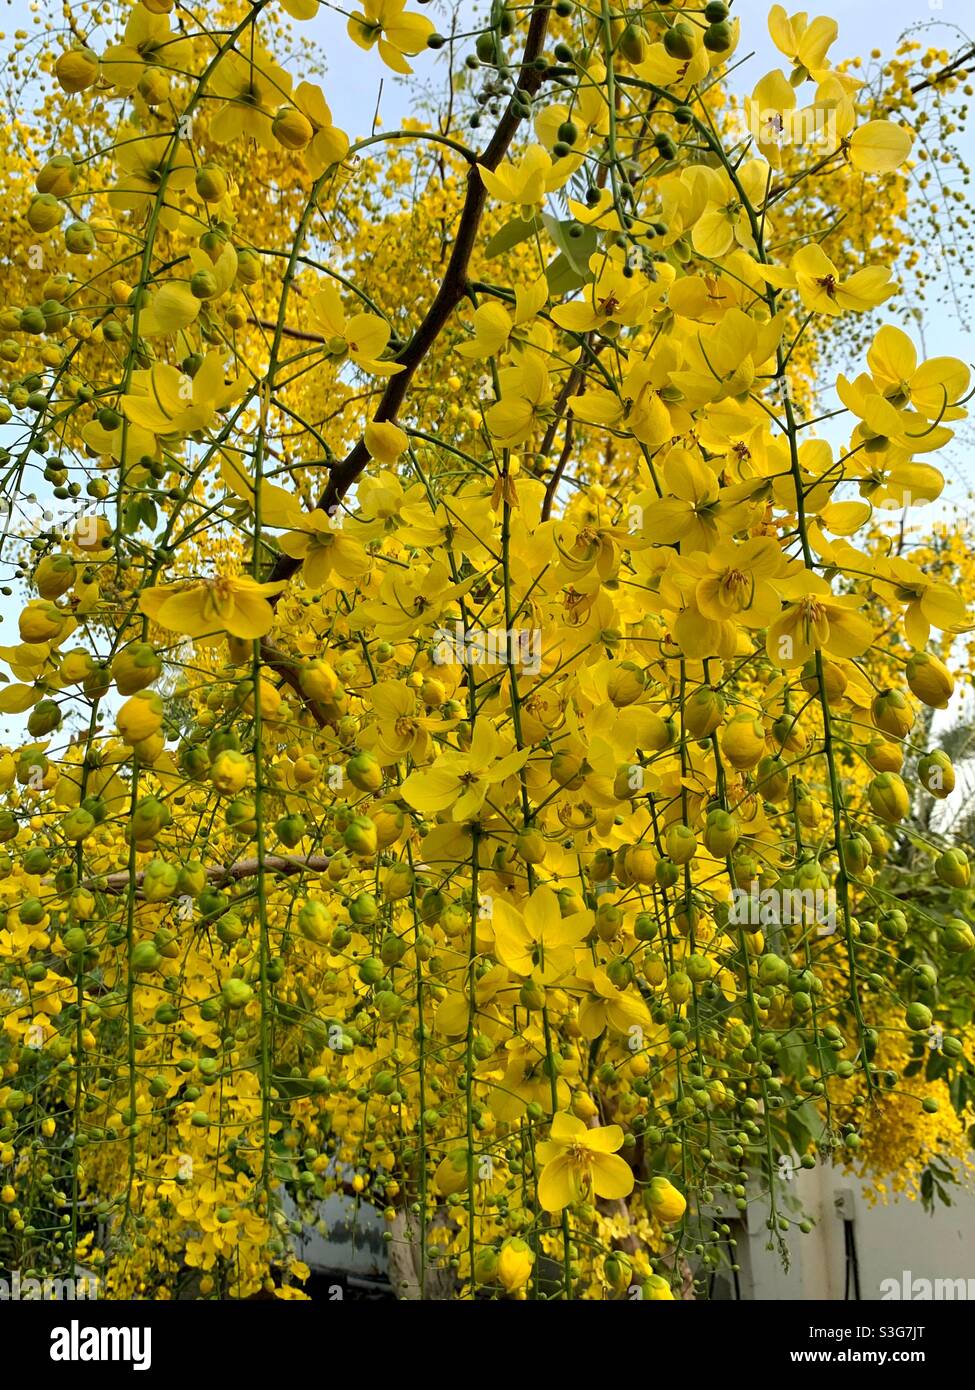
(408, 597)
(724, 221)
(539, 942)
(299, 9)
(589, 114)
(579, 1162)
(727, 362)
(743, 741)
(328, 145)
(526, 399)
(604, 1005)
(524, 1081)
(385, 441)
(397, 32)
(805, 41)
(643, 405)
(460, 781)
(144, 163)
(493, 325)
(525, 182)
(928, 602)
(880, 147)
(148, 42)
(362, 338)
(817, 621)
(819, 285)
(399, 731)
(736, 583)
(934, 389)
(930, 680)
(237, 605)
(689, 513)
(667, 1204)
(252, 87)
(169, 404)
(324, 551)
(613, 299)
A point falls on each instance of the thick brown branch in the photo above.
(452, 287)
(552, 486)
(227, 873)
(287, 669)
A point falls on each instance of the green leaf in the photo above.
(811, 1120)
(576, 250)
(131, 516)
(793, 1054)
(562, 278)
(148, 513)
(510, 235)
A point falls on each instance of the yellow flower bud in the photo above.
(292, 128)
(936, 774)
(930, 680)
(656, 1289)
(230, 772)
(135, 667)
(743, 741)
(889, 797)
(681, 844)
(891, 712)
(626, 684)
(384, 441)
(704, 712)
(44, 213)
(721, 833)
(76, 69)
(515, 1262)
(451, 1174)
(211, 183)
(884, 756)
(154, 86)
(318, 680)
(58, 177)
(667, 1204)
(54, 576)
(140, 717)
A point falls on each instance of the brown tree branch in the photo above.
(289, 332)
(961, 61)
(225, 873)
(287, 669)
(452, 287)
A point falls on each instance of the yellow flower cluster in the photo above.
(474, 715)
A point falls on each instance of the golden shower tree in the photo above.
(476, 589)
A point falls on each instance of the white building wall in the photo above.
(898, 1241)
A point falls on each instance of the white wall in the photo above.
(890, 1239)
